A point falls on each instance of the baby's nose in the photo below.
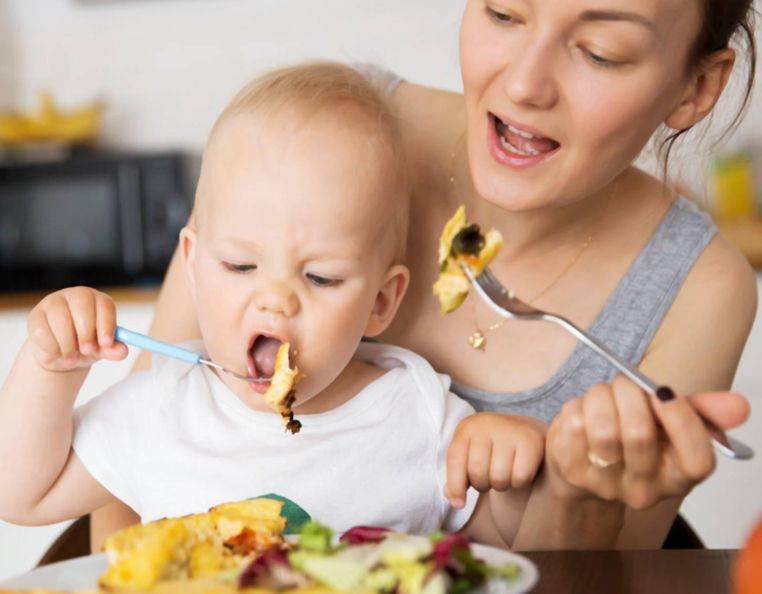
(277, 297)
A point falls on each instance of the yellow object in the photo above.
(733, 188)
(49, 123)
(452, 286)
(279, 393)
(198, 545)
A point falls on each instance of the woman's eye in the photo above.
(601, 61)
(499, 17)
(239, 268)
(322, 281)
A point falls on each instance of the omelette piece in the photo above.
(225, 538)
(462, 244)
(280, 395)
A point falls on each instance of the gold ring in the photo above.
(599, 462)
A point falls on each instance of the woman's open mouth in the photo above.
(517, 147)
(261, 360)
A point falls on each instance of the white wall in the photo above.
(168, 66)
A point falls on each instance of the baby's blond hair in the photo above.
(314, 87)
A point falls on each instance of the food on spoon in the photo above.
(462, 244)
(270, 357)
(225, 538)
(280, 395)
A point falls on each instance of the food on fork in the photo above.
(225, 538)
(462, 244)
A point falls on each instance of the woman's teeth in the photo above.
(521, 133)
(512, 149)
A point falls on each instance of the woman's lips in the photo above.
(538, 150)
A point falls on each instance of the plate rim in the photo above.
(525, 583)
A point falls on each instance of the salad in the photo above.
(370, 559)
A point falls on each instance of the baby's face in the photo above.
(291, 242)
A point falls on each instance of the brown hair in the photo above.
(722, 22)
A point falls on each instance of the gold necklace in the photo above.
(478, 339)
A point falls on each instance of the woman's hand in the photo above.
(620, 444)
(72, 328)
(493, 451)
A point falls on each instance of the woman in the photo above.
(559, 99)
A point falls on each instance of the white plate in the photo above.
(84, 572)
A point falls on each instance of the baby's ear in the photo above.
(188, 243)
(388, 300)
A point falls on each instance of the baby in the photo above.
(298, 236)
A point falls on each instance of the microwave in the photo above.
(96, 218)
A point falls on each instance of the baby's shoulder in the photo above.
(422, 389)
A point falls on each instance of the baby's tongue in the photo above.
(265, 351)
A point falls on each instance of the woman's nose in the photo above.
(278, 298)
(529, 80)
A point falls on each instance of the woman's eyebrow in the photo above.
(618, 15)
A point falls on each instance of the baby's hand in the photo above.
(493, 451)
(73, 328)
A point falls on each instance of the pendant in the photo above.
(477, 340)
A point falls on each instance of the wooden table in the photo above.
(634, 572)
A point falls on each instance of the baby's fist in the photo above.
(493, 451)
(73, 328)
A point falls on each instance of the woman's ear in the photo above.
(388, 300)
(704, 90)
(188, 244)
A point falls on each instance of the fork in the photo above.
(172, 351)
(507, 305)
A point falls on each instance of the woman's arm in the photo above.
(174, 321)
(660, 450)
(697, 349)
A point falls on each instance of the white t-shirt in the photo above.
(175, 440)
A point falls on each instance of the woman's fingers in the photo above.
(688, 436)
(602, 424)
(725, 409)
(569, 443)
(638, 429)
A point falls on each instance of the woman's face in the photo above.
(562, 96)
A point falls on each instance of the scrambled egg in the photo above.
(195, 546)
(461, 245)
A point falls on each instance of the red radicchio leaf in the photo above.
(259, 571)
(363, 534)
(444, 548)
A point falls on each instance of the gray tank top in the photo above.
(626, 324)
(629, 319)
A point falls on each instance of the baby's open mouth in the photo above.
(261, 356)
(522, 142)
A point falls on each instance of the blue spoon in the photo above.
(172, 351)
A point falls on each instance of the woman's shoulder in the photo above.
(431, 120)
(705, 330)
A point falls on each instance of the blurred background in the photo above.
(105, 106)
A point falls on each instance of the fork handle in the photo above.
(729, 446)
